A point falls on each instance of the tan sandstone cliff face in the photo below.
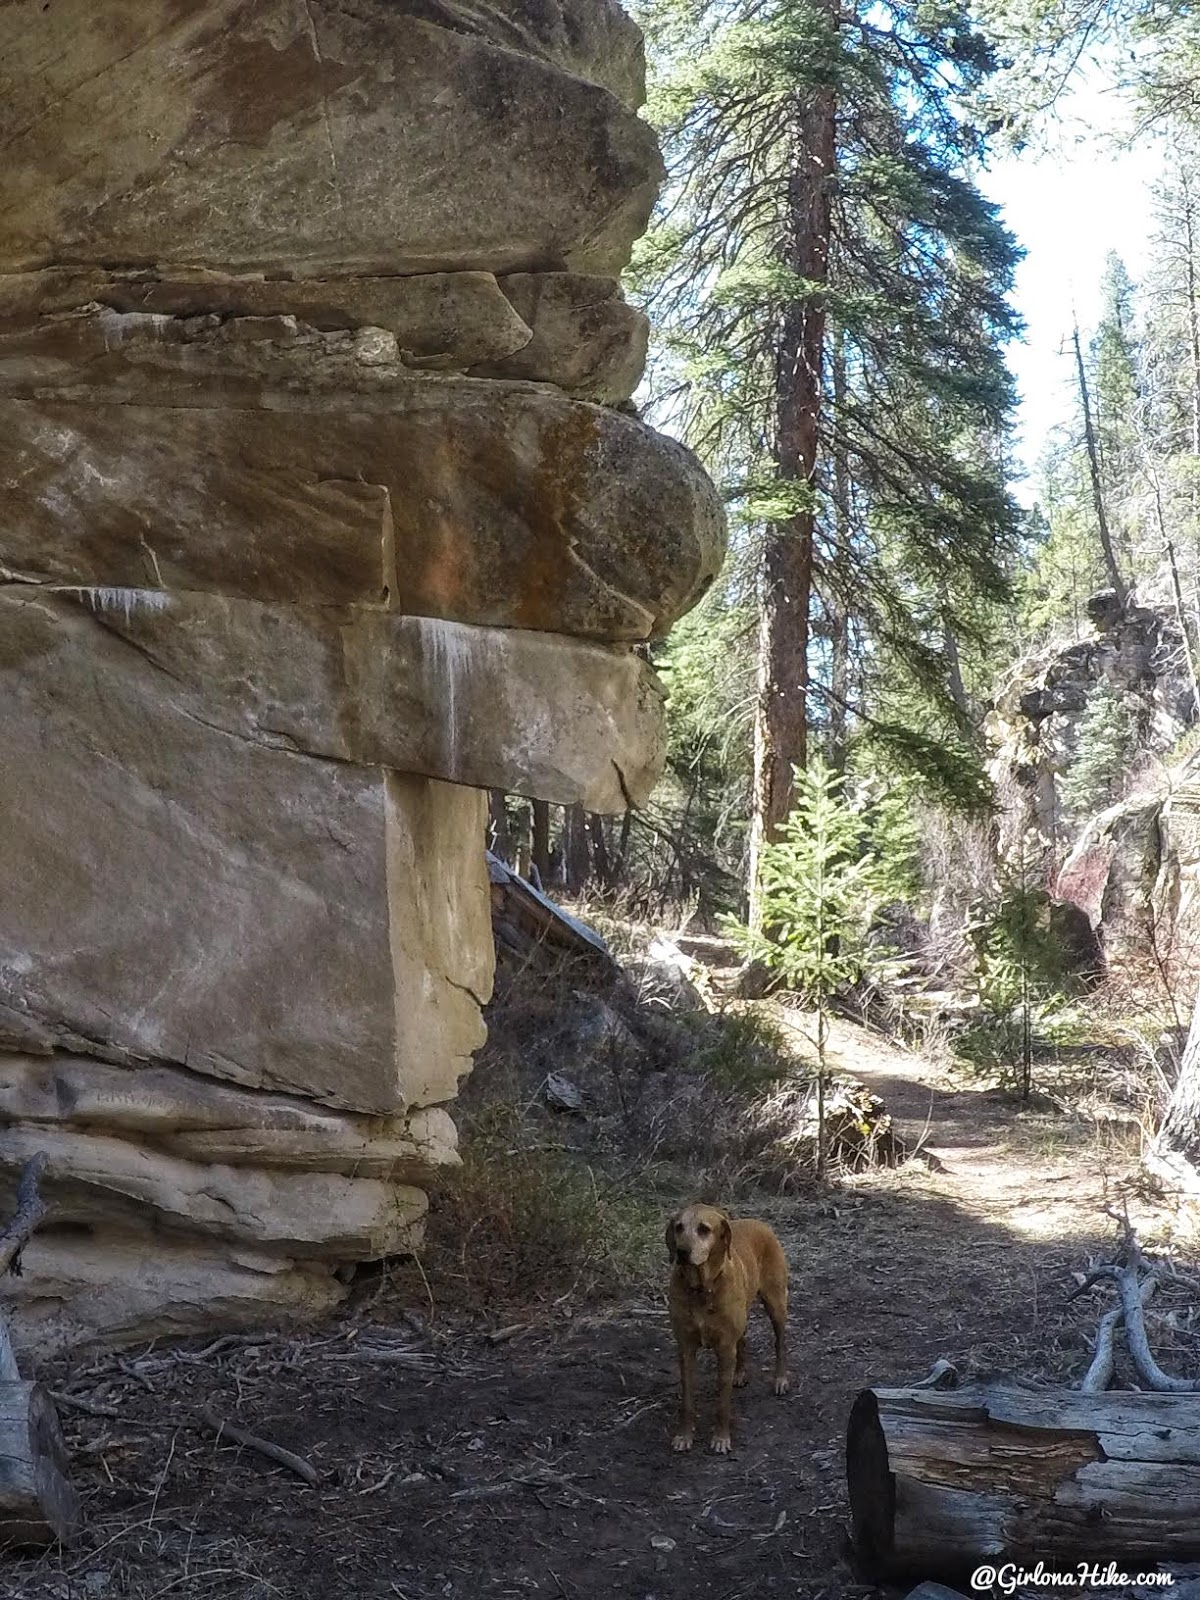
(317, 522)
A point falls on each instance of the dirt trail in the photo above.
(1041, 1175)
(540, 1465)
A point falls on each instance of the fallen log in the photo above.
(941, 1483)
(526, 921)
(38, 1505)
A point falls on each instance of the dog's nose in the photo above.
(683, 1258)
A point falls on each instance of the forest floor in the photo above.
(489, 1455)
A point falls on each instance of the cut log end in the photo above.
(38, 1505)
(942, 1482)
(871, 1484)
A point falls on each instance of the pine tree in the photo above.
(822, 881)
(1106, 744)
(1116, 386)
(1020, 966)
(849, 393)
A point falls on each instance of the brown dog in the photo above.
(721, 1266)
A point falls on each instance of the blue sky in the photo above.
(1069, 206)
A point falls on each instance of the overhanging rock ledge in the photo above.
(318, 521)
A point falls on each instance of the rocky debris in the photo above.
(1176, 897)
(317, 523)
(1112, 870)
(562, 1094)
(665, 976)
(1035, 720)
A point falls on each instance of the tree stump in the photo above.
(37, 1503)
(943, 1482)
(38, 1506)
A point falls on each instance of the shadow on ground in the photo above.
(455, 1466)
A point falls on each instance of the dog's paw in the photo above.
(782, 1386)
(741, 1379)
(681, 1442)
(722, 1444)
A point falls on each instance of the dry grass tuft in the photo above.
(523, 1221)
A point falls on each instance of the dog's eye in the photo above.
(679, 1227)
(703, 1228)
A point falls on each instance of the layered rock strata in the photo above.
(318, 521)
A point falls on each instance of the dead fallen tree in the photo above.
(940, 1484)
(943, 1482)
(526, 921)
(38, 1505)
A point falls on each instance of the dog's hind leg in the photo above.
(775, 1301)
(687, 1396)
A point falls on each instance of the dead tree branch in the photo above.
(31, 1210)
(1136, 1278)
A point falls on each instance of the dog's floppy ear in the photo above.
(726, 1235)
(670, 1235)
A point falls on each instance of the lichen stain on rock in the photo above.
(558, 489)
(447, 582)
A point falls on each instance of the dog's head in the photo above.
(699, 1236)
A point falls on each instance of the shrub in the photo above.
(523, 1221)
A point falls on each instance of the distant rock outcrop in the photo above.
(317, 523)
(1109, 857)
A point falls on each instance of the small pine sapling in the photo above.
(820, 884)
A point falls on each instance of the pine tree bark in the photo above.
(781, 722)
(1193, 300)
(601, 858)
(941, 1482)
(577, 860)
(539, 840)
(38, 1505)
(835, 592)
(1193, 315)
(501, 828)
(954, 677)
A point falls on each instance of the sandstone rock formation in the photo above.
(318, 521)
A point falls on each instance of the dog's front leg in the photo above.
(722, 1440)
(687, 1395)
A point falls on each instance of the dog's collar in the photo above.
(707, 1288)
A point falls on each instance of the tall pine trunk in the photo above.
(781, 721)
(577, 855)
(841, 581)
(539, 841)
(1093, 455)
(1193, 320)
(1193, 307)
